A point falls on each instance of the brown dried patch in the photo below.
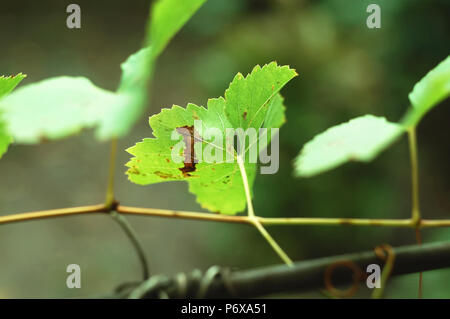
(190, 136)
(244, 115)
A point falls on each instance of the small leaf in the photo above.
(248, 98)
(5, 138)
(168, 17)
(360, 139)
(130, 99)
(217, 184)
(8, 83)
(429, 91)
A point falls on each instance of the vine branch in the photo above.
(302, 276)
(165, 213)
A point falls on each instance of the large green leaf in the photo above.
(429, 91)
(217, 184)
(59, 107)
(54, 108)
(7, 84)
(360, 139)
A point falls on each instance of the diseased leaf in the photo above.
(360, 139)
(59, 107)
(248, 98)
(429, 91)
(217, 184)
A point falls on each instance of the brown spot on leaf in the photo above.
(167, 160)
(133, 170)
(164, 175)
(43, 139)
(190, 136)
(244, 115)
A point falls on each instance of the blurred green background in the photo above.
(346, 70)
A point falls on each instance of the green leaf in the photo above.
(130, 98)
(59, 107)
(8, 83)
(360, 139)
(54, 108)
(5, 138)
(429, 91)
(168, 17)
(217, 184)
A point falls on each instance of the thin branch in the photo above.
(302, 276)
(182, 214)
(53, 213)
(336, 221)
(414, 174)
(165, 213)
(434, 223)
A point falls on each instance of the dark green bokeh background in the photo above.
(346, 70)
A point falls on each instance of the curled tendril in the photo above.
(386, 253)
(357, 276)
(160, 286)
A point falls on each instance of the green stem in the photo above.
(415, 215)
(280, 252)
(112, 165)
(414, 174)
(240, 162)
(255, 221)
